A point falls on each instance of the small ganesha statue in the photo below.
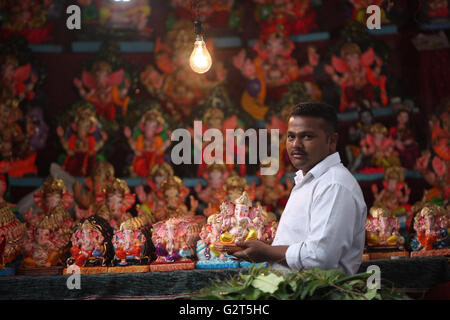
(81, 141)
(50, 240)
(133, 243)
(175, 241)
(114, 202)
(53, 193)
(149, 141)
(431, 225)
(382, 229)
(91, 244)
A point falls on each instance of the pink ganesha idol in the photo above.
(175, 240)
(382, 234)
(133, 246)
(114, 202)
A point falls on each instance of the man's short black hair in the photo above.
(317, 110)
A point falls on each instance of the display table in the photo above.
(416, 275)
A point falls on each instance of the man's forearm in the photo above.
(277, 254)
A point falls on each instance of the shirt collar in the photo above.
(319, 168)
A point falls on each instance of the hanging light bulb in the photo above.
(200, 60)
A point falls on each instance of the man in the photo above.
(323, 223)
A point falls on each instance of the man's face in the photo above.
(308, 142)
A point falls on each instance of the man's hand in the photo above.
(258, 251)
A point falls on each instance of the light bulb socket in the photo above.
(198, 27)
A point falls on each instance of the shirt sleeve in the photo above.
(334, 217)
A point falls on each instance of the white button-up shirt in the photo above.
(323, 222)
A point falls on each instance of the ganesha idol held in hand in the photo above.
(237, 221)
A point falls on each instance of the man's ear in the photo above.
(333, 139)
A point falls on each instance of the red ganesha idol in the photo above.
(91, 246)
(81, 141)
(357, 73)
(105, 89)
(149, 141)
(133, 246)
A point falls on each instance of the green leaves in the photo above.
(313, 284)
(267, 283)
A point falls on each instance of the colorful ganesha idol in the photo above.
(359, 73)
(114, 202)
(81, 141)
(378, 150)
(153, 198)
(175, 240)
(149, 141)
(434, 164)
(12, 236)
(26, 18)
(90, 248)
(432, 226)
(133, 246)
(382, 234)
(174, 192)
(105, 89)
(53, 194)
(50, 240)
(214, 118)
(271, 70)
(394, 195)
(236, 221)
(102, 173)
